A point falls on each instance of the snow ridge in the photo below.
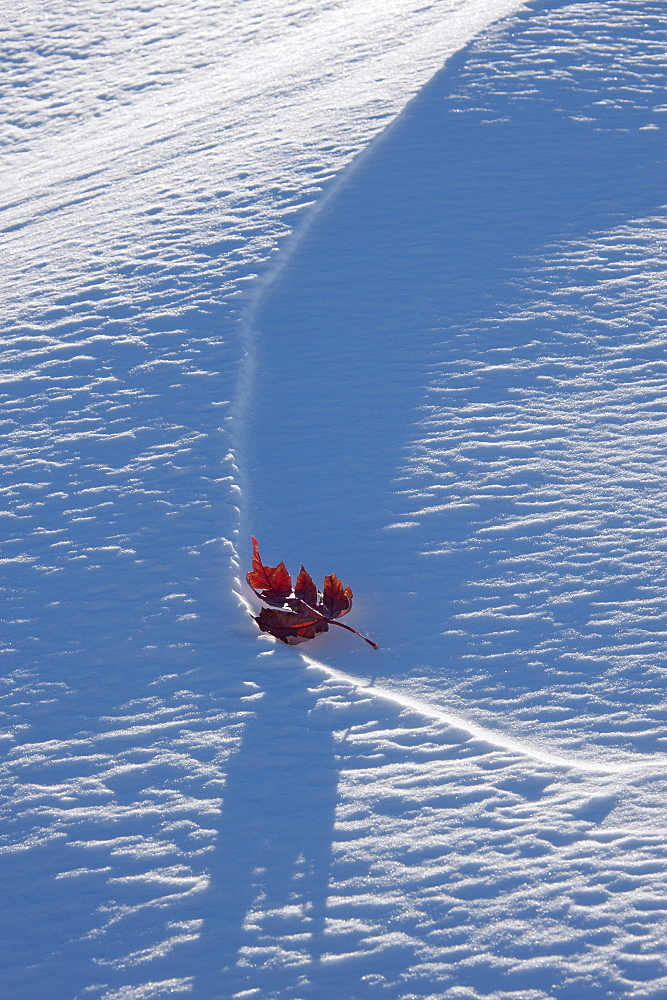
(494, 739)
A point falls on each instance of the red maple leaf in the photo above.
(272, 583)
(336, 600)
(304, 588)
(291, 627)
(308, 612)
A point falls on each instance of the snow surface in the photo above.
(251, 286)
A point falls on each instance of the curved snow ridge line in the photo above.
(488, 735)
(453, 30)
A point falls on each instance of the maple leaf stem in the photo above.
(332, 621)
(349, 629)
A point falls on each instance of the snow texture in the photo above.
(383, 284)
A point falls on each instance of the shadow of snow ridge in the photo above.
(477, 315)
